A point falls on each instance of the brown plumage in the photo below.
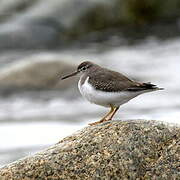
(111, 81)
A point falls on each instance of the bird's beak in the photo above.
(69, 75)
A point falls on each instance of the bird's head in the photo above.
(82, 68)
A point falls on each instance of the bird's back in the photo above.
(110, 81)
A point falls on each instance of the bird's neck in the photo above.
(83, 78)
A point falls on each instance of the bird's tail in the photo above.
(144, 87)
(150, 86)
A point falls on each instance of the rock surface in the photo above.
(113, 150)
(34, 73)
(39, 24)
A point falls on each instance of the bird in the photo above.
(107, 88)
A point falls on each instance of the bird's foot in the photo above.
(99, 122)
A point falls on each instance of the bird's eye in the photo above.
(83, 68)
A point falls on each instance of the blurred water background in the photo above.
(44, 39)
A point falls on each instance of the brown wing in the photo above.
(110, 81)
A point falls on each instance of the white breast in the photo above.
(104, 98)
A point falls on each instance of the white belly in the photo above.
(104, 98)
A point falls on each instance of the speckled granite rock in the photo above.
(114, 150)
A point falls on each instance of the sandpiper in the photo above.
(108, 88)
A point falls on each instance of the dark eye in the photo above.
(83, 68)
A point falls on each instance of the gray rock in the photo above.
(39, 24)
(35, 73)
(135, 149)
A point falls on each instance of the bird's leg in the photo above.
(108, 116)
(103, 119)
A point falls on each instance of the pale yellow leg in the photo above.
(108, 116)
